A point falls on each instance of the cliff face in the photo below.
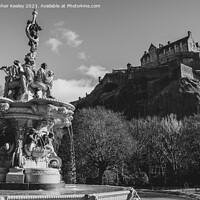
(181, 97)
(156, 91)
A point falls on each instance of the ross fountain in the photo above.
(32, 123)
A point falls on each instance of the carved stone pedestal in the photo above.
(41, 176)
(15, 175)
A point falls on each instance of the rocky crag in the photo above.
(172, 88)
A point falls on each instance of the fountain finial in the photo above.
(34, 13)
(32, 29)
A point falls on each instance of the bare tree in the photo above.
(101, 140)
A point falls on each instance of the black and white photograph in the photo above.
(100, 99)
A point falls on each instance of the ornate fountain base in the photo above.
(73, 192)
(31, 134)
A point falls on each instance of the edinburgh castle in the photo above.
(166, 82)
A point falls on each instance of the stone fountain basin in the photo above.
(77, 192)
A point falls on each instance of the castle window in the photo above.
(175, 48)
(181, 46)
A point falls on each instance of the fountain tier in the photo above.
(30, 137)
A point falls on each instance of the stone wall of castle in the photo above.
(151, 76)
(186, 71)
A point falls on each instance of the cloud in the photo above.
(61, 35)
(93, 71)
(71, 38)
(54, 44)
(82, 55)
(71, 90)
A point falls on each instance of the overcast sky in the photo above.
(80, 44)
